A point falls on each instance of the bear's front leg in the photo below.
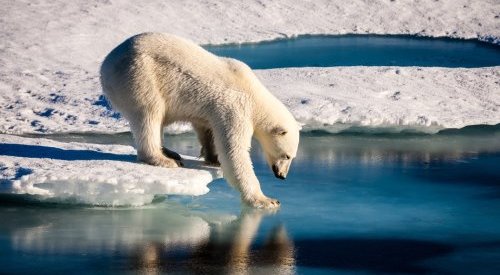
(232, 138)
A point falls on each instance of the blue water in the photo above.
(363, 50)
(366, 204)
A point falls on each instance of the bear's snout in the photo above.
(277, 173)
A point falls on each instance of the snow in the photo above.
(50, 51)
(54, 33)
(92, 173)
(397, 98)
(423, 99)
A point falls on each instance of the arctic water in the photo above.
(351, 204)
(363, 50)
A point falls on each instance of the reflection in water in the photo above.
(328, 150)
(153, 240)
(77, 230)
(228, 250)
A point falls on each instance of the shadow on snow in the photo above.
(38, 151)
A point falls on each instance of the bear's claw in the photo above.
(170, 154)
(263, 202)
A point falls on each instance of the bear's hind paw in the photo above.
(215, 163)
(163, 162)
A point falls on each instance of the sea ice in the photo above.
(333, 99)
(50, 54)
(397, 98)
(92, 173)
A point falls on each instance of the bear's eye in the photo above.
(278, 131)
(287, 157)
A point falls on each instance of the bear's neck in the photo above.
(267, 113)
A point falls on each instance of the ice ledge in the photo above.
(386, 98)
(93, 174)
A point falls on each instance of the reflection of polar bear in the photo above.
(156, 79)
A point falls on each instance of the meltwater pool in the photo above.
(363, 50)
(352, 204)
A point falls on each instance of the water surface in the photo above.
(363, 50)
(365, 204)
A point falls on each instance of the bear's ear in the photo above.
(278, 131)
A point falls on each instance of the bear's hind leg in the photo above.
(146, 128)
(206, 139)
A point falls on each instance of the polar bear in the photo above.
(156, 79)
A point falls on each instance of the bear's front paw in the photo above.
(262, 202)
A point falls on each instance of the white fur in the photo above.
(156, 79)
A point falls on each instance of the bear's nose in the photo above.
(277, 173)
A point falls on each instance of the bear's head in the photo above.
(280, 144)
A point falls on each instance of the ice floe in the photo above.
(92, 173)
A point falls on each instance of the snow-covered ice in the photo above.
(424, 99)
(399, 98)
(92, 173)
(52, 34)
(50, 53)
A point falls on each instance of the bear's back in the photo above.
(178, 55)
(175, 50)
